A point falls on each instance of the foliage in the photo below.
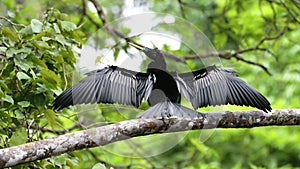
(35, 59)
(38, 56)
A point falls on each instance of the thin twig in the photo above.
(253, 63)
(11, 22)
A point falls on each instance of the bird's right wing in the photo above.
(219, 86)
(109, 85)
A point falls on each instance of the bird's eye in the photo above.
(147, 49)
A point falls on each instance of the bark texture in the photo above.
(104, 135)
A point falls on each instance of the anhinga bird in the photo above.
(162, 89)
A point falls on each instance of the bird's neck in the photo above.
(158, 64)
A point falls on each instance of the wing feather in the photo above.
(219, 86)
(109, 85)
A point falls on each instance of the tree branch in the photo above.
(104, 135)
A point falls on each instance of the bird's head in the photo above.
(154, 54)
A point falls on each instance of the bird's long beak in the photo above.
(139, 47)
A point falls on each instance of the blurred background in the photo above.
(42, 45)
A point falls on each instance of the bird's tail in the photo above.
(168, 109)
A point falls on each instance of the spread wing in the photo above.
(219, 86)
(109, 85)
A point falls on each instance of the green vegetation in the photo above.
(39, 47)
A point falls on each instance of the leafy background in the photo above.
(40, 41)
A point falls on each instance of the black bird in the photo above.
(162, 89)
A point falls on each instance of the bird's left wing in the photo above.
(108, 85)
(219, 86)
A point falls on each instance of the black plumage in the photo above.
(162, 89)
(109, 85)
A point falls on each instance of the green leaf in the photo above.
(33, 74)
(50, 117)
(22, 75)
(43, 34)
(59, 58)
(10, 52)
(220, 40)
(19, 137)
(8, 4)
(24, 103)
(6, 31)
(57, 91)
(98, 59)
(50, 76)
(99, 166)
(4, 86)
(56, 28)
(19, 114)
(1, 93)
(38, 100)
(26, 31)
(8, 99)
(4, 117)
(3, 49)
(116, 53)
(36, 26)
(61, 39)
(23, 64)
(37, 61)
(24, 50)
(41, 44)
(68, 26)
